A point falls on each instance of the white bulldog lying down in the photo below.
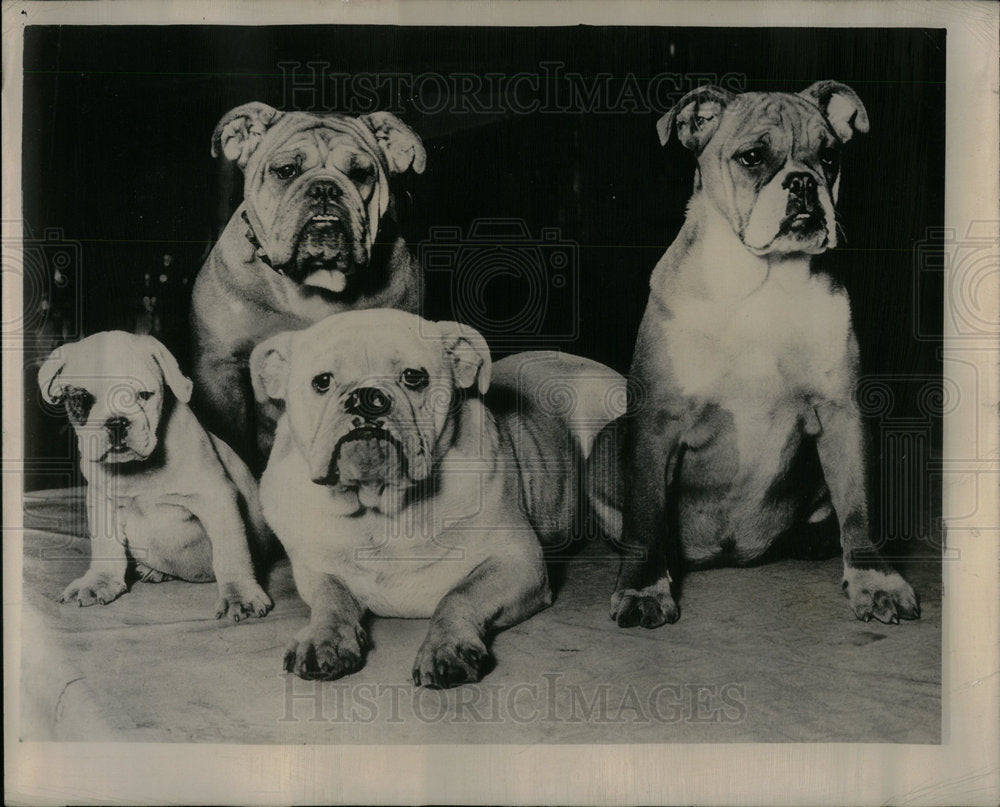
(160, 488)
(399, 488)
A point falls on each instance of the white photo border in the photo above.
(962, 770)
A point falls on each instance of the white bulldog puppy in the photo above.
(161, 489)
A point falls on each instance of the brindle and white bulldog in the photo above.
(160, 489)
(743, 428)
(397, 489)
(317, 233)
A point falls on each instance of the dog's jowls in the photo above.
(398, 489)
(161, 491)
(743, 429)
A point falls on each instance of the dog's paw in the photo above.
(447, 662)
(884, 596)
(327, 653)
(92, 588)
(649, 607)
(242, 599)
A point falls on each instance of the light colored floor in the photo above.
(765, 654)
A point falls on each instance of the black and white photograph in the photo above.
(502, 404)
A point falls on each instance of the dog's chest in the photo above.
(392, 566)
(789, 338)
(398, 565)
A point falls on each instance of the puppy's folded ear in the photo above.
(402, 147)
(697, 116)
(269, 367)
(179, 384)
(469, 354)
(50, 371)
(841, 106)
(239, 132)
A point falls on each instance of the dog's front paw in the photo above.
(242, 599)
(649, 607)
(446, 662)
(884, 596)
(94, 587)
(327, 652)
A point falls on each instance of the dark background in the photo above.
(117, 171)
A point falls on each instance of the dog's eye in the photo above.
(321, 383)
(286, 171)
(751, 158)
(360, 174)
(828, 157)
(415, 379)
(78, 403)
(144, 395)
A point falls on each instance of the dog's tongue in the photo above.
(330, 279)
(322, 254)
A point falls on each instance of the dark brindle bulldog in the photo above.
(316, 234)
(743, 429)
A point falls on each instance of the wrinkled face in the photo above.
(313, 193)
(772, 168)
(113, 399)
(369, 397)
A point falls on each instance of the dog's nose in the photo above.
(800, 184)
(368, 402)
(117, 428)
(324, 191)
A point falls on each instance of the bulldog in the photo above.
(400, 489)
(742, 428)
(160, 489)
(317, 233)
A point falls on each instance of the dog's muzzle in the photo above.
(116, 441)
(803, 213)
(325, 244)
(368, 454)
(117, 429)
(369, 403)
(367, 457)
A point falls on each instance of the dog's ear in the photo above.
(180, 385)
(402, 147)
(49, 372)
(469, 354)
(697, 116)
(841, 106)
(239, 132)
(269, 367)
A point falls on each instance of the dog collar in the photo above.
(251, 236)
